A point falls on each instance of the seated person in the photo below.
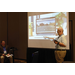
(4, 49)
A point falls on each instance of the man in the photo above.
(61, 43)
(4, 49)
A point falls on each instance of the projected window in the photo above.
(42, 25)
(45, 26)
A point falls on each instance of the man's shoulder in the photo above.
(63, 36)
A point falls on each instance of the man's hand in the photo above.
(46, 37)
(55, 42)
(51, 38)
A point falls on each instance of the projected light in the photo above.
(45, 24)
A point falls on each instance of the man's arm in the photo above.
(49, 37)
(63, 43)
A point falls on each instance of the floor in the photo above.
(19, 61)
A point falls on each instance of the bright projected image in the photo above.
(43, 25)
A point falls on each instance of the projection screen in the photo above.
(45, 24)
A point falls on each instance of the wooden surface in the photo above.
(19, 61)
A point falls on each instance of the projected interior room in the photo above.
(45, 25)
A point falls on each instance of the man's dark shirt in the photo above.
(2, 50)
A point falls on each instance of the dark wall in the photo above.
(13, 29)
(3, 26)
(72, 17)
(17, 33)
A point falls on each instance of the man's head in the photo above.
(60, 31)
(3, 43)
